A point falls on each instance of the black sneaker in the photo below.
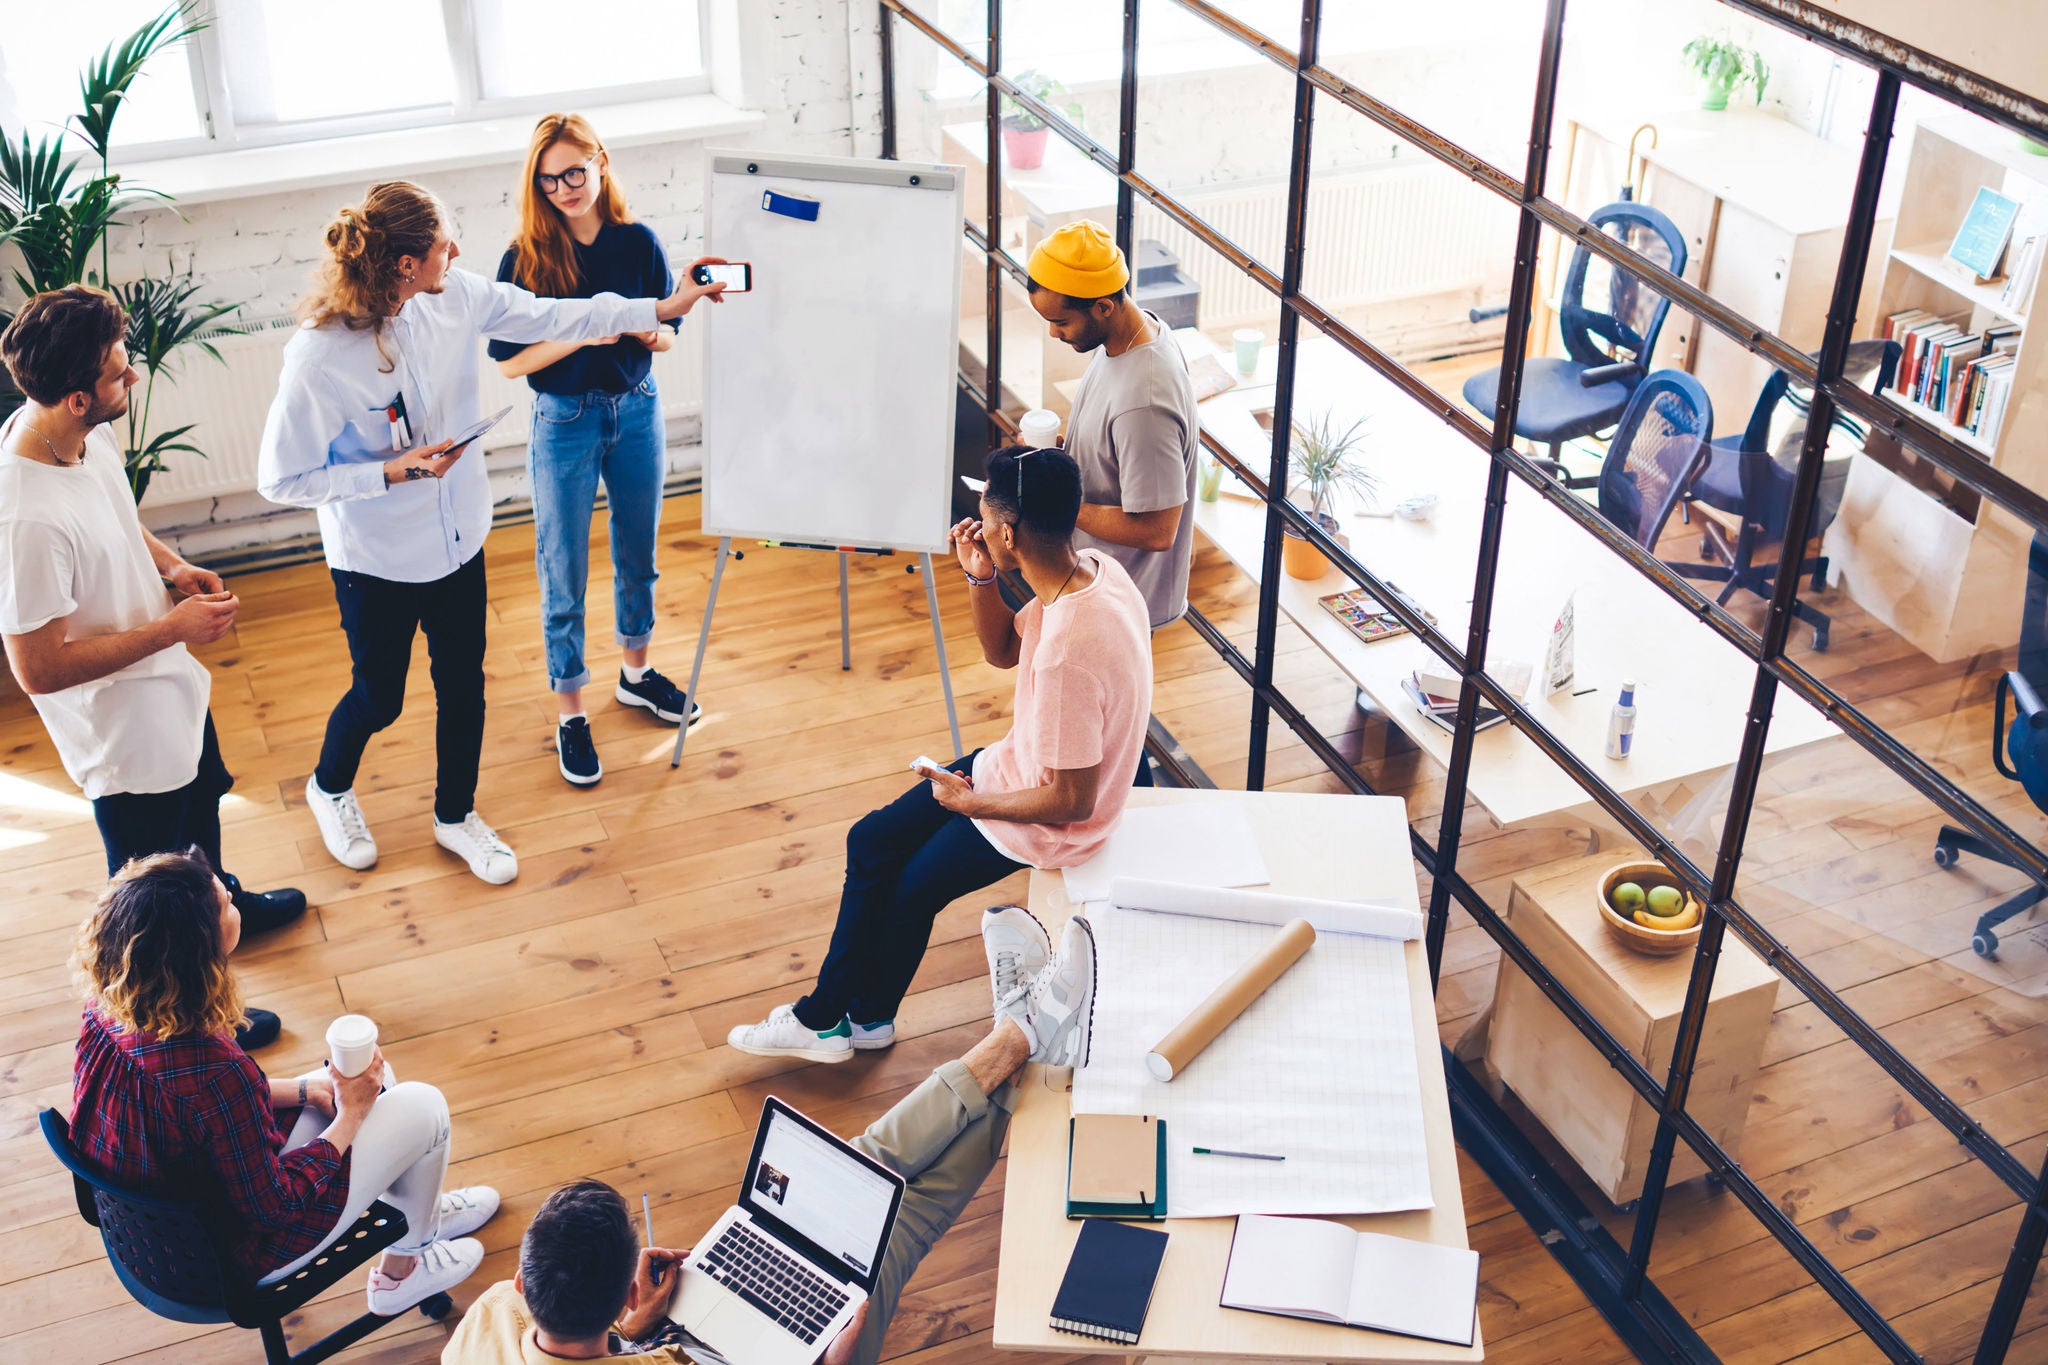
(657, 694)
(577, 752)
(259, 1028)
(263, 911)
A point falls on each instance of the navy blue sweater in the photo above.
(625, 259)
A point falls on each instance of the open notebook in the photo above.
(1313, 1268)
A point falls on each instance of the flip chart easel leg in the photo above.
(703, 639)
(931, 597)
(845, 620)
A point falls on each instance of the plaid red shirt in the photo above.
(181, 1115)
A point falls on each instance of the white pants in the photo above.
(400, 1155)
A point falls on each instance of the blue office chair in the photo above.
(1608, 339)
(1750, 476)
(2019, 750)
(172, 1254)
(1657, 449)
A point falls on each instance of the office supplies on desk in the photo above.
(1109, 1280)
(1365, 616)
(1442, 710)
(1208, 844)
(1116, 1166)
(1170, 1057)
(1311, 1268)
(1344, 1105)
(1248, 1156)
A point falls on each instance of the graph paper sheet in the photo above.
(1320, 1069)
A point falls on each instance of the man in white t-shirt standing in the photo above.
(1133, 430)
(91, 634)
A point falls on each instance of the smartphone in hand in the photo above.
(736, 276)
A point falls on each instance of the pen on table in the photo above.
(1248, 1156)
(1584, 690)
(647, 1222)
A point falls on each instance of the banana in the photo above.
(1675, 924)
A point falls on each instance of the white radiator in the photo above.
(1406, 230)
(228, 402)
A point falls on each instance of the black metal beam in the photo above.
(886, 35)
(2018, 1278)
(1127, 139)
(992, 212)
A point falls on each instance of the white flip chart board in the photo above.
(829, 388)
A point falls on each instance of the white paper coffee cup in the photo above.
(351, 1044)
(1038, 428)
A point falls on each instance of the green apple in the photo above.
(1626, 899)
(1665, 902)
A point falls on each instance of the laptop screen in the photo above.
(821, 1191)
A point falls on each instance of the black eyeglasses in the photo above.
(572, 178)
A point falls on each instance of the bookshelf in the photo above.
(1921, 553)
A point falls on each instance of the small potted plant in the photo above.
(1323, 463)
(1024, 132)
(1725, 67)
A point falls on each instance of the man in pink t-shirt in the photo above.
(1047, 794)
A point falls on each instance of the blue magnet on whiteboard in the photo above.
(790, 205)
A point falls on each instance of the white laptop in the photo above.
(782, 1271)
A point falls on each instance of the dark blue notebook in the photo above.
(1108, 1285)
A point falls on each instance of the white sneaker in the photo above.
(782, 1034)
(443, 1265)
(874, 1037)
(477, 844)
(1060, 1005)
(342, 827)
(465, 1210)
(1017, 951)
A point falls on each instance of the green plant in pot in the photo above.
(1725, 67)
(55, 215)
(1024, 133)
(1324, 461)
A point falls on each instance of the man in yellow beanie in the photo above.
(1133, 429)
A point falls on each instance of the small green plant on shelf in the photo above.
(1724, 68)
(1047, 91)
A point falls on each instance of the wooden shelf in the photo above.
(1931, 262)
(1960, 435)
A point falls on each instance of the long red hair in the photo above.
(543, 252)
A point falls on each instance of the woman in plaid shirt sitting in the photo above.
(162, 1098)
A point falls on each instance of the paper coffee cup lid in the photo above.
(352, 1028)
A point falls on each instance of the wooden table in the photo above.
(1693, 688)
(1332, 846)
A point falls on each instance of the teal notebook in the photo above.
(1113, 1160)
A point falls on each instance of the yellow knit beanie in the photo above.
(1081, 261)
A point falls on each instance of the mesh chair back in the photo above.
(1610, 314)
(1659, 446)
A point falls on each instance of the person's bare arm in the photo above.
(660, 339)
(174, 569)
(994, 623)
(47, 660)
(542, 354)
(1070, 796)
(1140, 530)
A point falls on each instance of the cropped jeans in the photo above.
(577, 440)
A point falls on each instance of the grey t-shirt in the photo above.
(1133, 431)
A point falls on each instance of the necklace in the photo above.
(55, 458)
(1063, 583)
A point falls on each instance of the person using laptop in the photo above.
(1047, 794)
(587, 1290)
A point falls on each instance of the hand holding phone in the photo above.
(931, 768)
(736, 276)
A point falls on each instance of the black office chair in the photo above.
(2019, 750)
(1750, 476)
(173, 1255)
(1658, 447)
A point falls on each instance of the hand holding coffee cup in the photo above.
(353, 1095)
(352, 1045)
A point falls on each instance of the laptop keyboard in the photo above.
(772, 1280)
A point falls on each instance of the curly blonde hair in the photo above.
(150, 956)
(360, 282)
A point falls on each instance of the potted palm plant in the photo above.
(1024, 132)
(1724, 68)
(56, 215)
(1323, 463)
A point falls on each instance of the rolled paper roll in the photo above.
(1229, 1000)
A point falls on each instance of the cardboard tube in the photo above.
(1229, 1000)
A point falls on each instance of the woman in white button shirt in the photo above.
(381, 373)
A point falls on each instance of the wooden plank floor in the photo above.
(574, 1018)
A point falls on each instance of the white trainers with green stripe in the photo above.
(782, 1034)
(874, 1037)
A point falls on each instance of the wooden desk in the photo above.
(1692, 688)
(1333, 846)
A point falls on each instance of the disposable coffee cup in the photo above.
(351, 1044)
(1248, 341)
(1039, 428)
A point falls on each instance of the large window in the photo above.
(269, 71)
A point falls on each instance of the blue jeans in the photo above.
(578, 439)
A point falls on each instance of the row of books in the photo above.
(1435, 693)
(2023, 270)
(1961, 376)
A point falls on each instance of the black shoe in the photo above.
(263, 911)
(259, 1028)
(657, 694)
(576, 752)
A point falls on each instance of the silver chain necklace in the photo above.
(55, 458)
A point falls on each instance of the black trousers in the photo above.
(137, 824)
(904, 863)
(380, 618)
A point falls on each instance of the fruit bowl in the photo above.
(1642, 938)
